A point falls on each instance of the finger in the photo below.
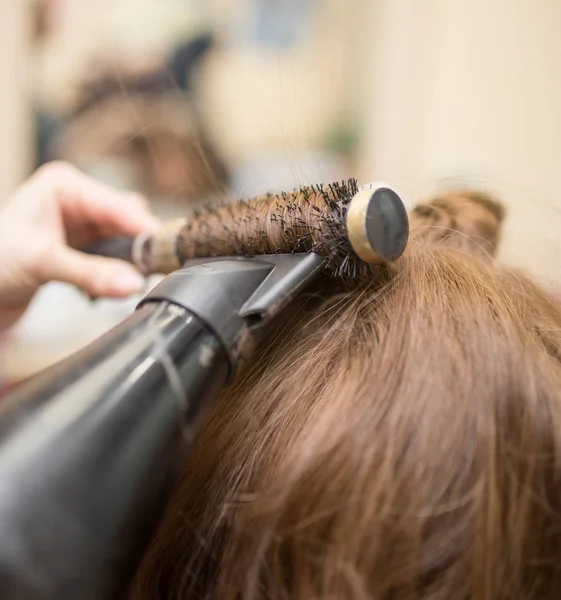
(95, 275)
(87, 203)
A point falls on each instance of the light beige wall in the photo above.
(261, 99)
(15, 126)
(470, 90)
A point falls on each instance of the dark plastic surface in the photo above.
(236, 296)
(387, 224)
(120, 247)
(91, 449)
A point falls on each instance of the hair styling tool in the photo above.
(91, 448)
(351, 228)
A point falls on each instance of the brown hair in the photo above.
(400, 439)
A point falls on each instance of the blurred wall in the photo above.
(470, 92)
(287, 98)
(15, 126)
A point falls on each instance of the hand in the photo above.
(47, 219)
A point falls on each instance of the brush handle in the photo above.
(120, 247)
(156, 253)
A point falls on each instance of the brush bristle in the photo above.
(309, 219)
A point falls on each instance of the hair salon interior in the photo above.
(189, 101)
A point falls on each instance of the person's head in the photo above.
(397, 439)
(147, 124)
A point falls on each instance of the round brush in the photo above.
(351, 228)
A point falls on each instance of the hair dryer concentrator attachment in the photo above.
(237, 297)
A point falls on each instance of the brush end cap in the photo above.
(378, 225)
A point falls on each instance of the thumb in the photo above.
(95, 275)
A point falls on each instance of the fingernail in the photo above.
(127, 282)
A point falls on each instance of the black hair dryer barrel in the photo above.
(91, 449)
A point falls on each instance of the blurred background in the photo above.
(192, 100)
